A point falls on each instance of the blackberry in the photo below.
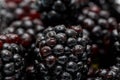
(62, 58)
(55, 12)
(11, 58)
(62, 51)
(25, 19)
(100, 24)
(26, 29)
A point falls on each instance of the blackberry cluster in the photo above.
(30, 49)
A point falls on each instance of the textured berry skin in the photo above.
(11, 58)
(55, 12)
(61, 53)
(31, 50)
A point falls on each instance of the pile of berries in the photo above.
(59, 40)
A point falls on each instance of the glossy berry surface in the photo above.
(62, 56)
(59, 40)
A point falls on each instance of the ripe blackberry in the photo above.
(61, 53)
(11, 58)
(100, 24)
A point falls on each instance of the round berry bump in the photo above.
(66, 76)
(95, 9)
(60, 28)
(43, 43)
(78, 76)
(58, 69)
(71, 32)
(77, 28)
(59, 6)
(88, 23)
(3, 38)
(78, 49)
(6, 55)
(71, 66)
(26, 39)
(9, 68)
(50, 61)
(104, 14)
(30, 70)
(73, 57)
(62, 59)
(58, 49)
(34, 15)
(51, 42)
(51, 34)
(61, 37)
(46, 50)
(71, 42)
(67, 50)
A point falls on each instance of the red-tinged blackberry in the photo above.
(62, 56)
(26, 29)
